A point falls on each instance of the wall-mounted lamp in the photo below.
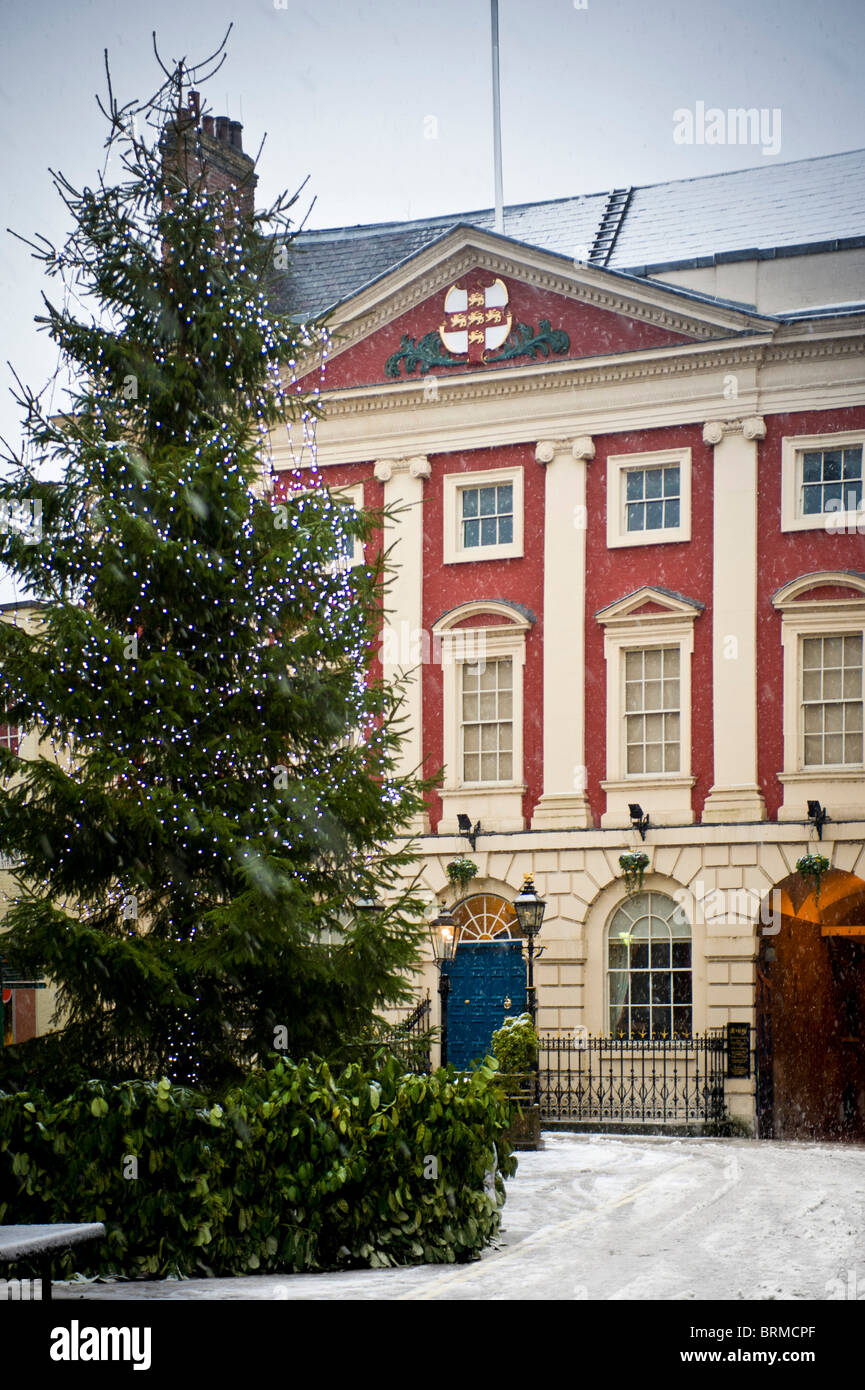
(465, 824)
(818, 816)
(639, 821)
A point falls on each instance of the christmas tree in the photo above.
(217, 786)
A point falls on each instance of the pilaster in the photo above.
(403, 480)
(564, 802)
(735, 794)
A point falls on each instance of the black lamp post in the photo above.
(530, 911)
(444, 934)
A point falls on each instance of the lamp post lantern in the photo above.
(444, 935)
(530, 911)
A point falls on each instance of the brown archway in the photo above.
(811, 1011)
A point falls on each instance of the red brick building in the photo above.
(631, 573)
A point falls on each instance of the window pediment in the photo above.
(835, 587)
(495, 613)
(649, 605)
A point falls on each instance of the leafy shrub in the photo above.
(296, 1169)
(515, 1047)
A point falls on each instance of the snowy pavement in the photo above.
(622, 1217)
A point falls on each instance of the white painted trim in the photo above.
(432, 269)
(498, 805)
(671, 791)
(564, 800)
(626, 610)
(476, 608)
(792, 447)
(403, 481)
(790, 594)
(454, 551)
(617, 466)
(639, 390)
(734, 794)
(842, 787)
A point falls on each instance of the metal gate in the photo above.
(663, 1081)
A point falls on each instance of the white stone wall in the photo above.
(721, 874)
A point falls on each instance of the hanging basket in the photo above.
(461, 871)
(813, 868)
(633, 866)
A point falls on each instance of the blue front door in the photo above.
(488, 985)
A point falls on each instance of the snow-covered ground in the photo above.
(623, 1217)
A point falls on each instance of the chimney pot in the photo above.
(207, 124)
(236, 130)
(222, 124)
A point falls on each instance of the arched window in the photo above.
(649, 968)
(486, 917)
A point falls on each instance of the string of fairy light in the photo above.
(238, 652)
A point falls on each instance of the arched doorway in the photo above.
(487, 975)
(811, 1011)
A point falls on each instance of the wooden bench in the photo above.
(41, 1243)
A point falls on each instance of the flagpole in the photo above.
(497, 119)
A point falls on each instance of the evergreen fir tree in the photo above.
(219, 787)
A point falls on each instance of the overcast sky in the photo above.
(387, 106)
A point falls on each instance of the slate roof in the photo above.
(774, 209)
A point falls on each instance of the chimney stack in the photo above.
(212, 146)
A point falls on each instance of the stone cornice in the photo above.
(580, 372)
(572, 374)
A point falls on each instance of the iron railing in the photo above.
(632, 1080)
(410, 1037)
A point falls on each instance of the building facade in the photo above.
(619, 451)
(627, 527)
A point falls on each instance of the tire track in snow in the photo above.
(544, 1236)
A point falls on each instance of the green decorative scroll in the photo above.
(428, 351)
(525, 342)
(425, 353)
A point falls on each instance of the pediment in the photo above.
(485, 613)
(476, 302)
(650, 605)
(823, 587)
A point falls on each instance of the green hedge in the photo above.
(297, 1169)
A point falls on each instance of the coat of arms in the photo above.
(478, 328)
(477, 320)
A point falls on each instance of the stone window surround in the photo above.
(667, 796)
(618, 465)
(792, 448)
(454, 551)
(499, 806)
(840, 789)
